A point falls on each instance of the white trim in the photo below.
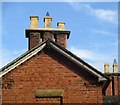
(29, 55)
(101, 78)
(35, 51)
(46, 29)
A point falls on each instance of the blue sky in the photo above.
(93, 26)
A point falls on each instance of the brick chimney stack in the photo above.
(115, 66)
(33, 36)
(47, 24)
(37, 35)
(61, 38)
(106, 68)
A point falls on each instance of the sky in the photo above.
(93, 26)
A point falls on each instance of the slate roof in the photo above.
(59, 49)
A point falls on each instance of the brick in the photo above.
(49, 70)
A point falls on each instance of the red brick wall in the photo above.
(49, 70)
(114, 90)
(34, 39)
(119, 86)
(47, 35)
(109, 89)
(62, 40)
(116, 85)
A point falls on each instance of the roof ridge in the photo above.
(58, 48)
(21, 56)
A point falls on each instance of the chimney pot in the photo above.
(106, 68)
(34, 21)
(47, 21)
(115, 66)
(61, 25)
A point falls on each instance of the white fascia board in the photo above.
(26, 57)
(100, 78)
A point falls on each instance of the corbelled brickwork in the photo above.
(49, 70)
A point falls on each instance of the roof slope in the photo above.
(58, 48)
